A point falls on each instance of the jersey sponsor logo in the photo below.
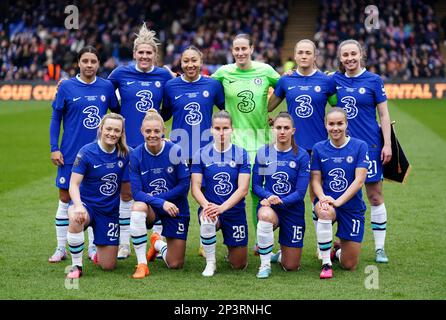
(247, 104)
(178, 97)
(224, 186)
(130, 82)
(304, 109)
(194, 116)
(145, 102)
(75, 99)
(281, 186)
(110, 186)
(97, 166)
(339, 183)
(205, 93)
(317, 88)
(291, 88)
(160, 186)
(350, 106)
(93, 119)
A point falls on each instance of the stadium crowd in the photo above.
(36, 45)
(405, 46)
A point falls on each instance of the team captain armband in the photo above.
(398, 168)
(333, 100)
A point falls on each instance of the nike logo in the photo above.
(113, 239)
(232, 81)
(238, 240)
(180, 232)
(208, 164)
(289, 88)
(323, 160)
(177, 97)
(97, 166)
(338, 87)
(144, 172)
(75, 99)
(269, 162)
(295, 241)
(130, 82)
(353, 234)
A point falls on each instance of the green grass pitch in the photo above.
(415, 237)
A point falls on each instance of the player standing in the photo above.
(80, 104)
(98, 170)
(224, 168)
(360, 93)
(280, 179)
(160, 184)
(338, 171)
(140, 87)
(246, 84)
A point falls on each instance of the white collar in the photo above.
(148, 71)
(100, 146)
(309, 75)
(184, 79)
(78, 77)
(155, 155)
(275, 147)
(356, 75)
(227, 149)
(347, 140)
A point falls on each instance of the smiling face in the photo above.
(111, 132)
(145, 56)
(191, 64)
(153, 131)
(350, 56)
(336, 125)
(283, 131)
(88, 65)
(242, 51)
(304, 55)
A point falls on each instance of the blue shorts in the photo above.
(105, 227)
(350, 225)
(292, 227)
(375, 171)
(173, 227)
(234, 228)
(63, 176)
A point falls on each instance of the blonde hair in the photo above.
(152, 114)
(146, 36)
(314, 50)
(123, 149)
(363, 53)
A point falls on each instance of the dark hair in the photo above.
(363, 53)
(89, 49)
(243, 36)
(193, 48)
(286, 115)
(222, 114)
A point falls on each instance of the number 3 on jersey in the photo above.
(145, 103)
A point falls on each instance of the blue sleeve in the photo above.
(278, 91)
(257, 181)
(56, 119)
(362, 157)
(196, 166)
(126, 175)
(315, 163)
(245, 166)
(331, 86)
(136, 186)
(303, 179)
(220, 95)
(80, 164)
(114, 78)
(379, 91)
(166, 110)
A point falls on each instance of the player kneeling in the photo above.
(95, 183)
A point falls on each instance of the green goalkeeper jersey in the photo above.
(246, 99)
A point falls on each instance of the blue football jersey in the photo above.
(337, 167)
(139, 91)
(306, 97)
(191, 104)
(358, 96)
(157, 178)
(103, 173)
(220, 172)
(282, 173)
(83, 106)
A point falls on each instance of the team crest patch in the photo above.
(157, 84)
(120, 164)
(62, 180)
(317, 88)
(170, 169)
(102, 98)
(361, 90)
(292, 164)
(349, 159)
(232, 164)
(205, 93)
(258, 81)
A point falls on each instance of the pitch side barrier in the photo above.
(40, 90)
